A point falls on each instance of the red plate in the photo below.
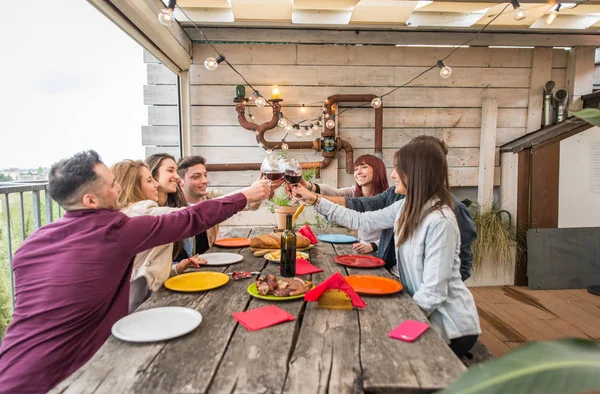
(359, 261)
(233, 242)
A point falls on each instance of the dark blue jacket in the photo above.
(468, 234)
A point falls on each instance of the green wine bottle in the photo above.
(288, 249)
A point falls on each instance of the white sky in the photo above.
(71, 80)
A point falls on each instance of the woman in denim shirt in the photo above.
(427, 240)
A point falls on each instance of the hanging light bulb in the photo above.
(550, 19)
(376, 102)
(282, 122)
(269, 151)
(445, 71)
(261, 145)
(165, 17)
(211, 63)
(318, 124)
(251, 116)
(330, 124)
(298, 133)
(309, 131)
(289, 127)
(284, 146)
(519, 13)
(259, 100)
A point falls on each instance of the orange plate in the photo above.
(233, 242)
(375, 285)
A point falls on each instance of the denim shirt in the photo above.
(428, 264)
(468, 234)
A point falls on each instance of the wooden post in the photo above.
(487, 152)
(580, 75)
(185, 114)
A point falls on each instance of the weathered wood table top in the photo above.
(323, 350)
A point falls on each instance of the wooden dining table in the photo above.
(322, 350)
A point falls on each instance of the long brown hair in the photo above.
(423, 169)
(174, 200)
(380, 181)
(128, 174)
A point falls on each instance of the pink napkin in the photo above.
(264, 317)
(303, 267)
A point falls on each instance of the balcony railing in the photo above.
(24, 207)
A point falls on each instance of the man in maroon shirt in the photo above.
(72, 276)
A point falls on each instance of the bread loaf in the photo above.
(273, 241)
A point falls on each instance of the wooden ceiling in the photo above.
(390, 14)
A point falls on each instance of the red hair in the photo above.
(380, 181)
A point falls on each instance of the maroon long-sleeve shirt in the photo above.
(72, 284)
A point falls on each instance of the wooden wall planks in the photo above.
(307, 74)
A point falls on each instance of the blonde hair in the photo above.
(128, 174)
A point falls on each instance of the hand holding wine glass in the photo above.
(302, 194)
(272, 168)
(292, 172)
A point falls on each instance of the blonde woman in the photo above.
(139, 197)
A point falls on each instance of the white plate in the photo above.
(158, 324)
(221, 258)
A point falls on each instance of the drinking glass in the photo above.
(272, 168)
(292, 173)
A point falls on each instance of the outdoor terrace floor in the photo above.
(511, 316)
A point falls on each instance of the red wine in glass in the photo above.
(292, 177)
(273, 176)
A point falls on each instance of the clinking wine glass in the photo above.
(272, 168)
(292, 173)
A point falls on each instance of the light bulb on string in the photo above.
(550, 19)
(269, 151)
(282, 122)
(309, 131)
(284, 146)
(519, 13)
(259, 100)
(445, 71)
(289, 127)
(318, 124)
(261, 145)
(330, 124)
(211, 63)
(250, 115)
(298, 132)
(165, 17)
(376, 102)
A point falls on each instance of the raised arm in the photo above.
(144, 232)
(365, 204)
(440, 251)
(367, 221)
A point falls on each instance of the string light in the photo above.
(259, 100)
(165, 17)
(445, 71)
(309, 130)
(284, 146)
(550, 19)
(330, 124)
(376, 102)
(282, 122)
(520, 13)
(289, 127)
(269, 151)
(298, 132)
(211, 63)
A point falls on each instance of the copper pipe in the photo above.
(360, 98)
(341, 144)
(256, 166)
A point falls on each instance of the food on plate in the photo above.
(273, 241)
(282, 287)
(276, 255)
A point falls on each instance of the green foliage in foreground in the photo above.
(564, 366)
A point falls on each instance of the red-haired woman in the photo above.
(370, 179)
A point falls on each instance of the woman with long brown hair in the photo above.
(139, 197)
(427, 240)
(370, 179)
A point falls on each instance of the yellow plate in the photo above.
(196, 281)
(275, 256)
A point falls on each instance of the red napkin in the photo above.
(307, 232)
(303, 267)
(264, 317)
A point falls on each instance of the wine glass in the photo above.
(292, 173)
(272, 168)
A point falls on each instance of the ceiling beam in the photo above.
(172, 40)
(375, 37)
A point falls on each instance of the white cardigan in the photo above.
(428, 264)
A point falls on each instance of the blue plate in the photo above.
(337, 238)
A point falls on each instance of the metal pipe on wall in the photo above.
(547, 112)
(560, 99)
